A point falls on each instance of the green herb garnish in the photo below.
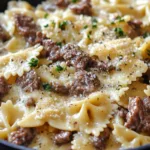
(94, 23)
(120, 19)
(119, 31)
(59, 68)
(146, 34)
(46, 15)
(53, 23)
(74, 1)
(85, 27)
(59, 44)
(112, 22)
(46, 25)
(62, 25)
(46, 87)
(89, 35)
(33, 62)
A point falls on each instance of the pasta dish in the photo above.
(74, 74)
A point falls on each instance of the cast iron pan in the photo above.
(4, 145)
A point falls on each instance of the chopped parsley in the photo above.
(85, 27)
(74, 1)
(62, 25)
(46, 25)
(59, 68)
(89, 35)
(33, 62)
(146, 34)
(46, 15)
(148, 52)
(94, 23)
(53, 23)
(59, 44)
(120, 19)
(119, 32)
(46, 87)
(112, 22)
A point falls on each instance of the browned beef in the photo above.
(63, 137)
(146, 121)
(135, 26)
(122, 113)
(62, 3)
(138, 117)
(30, 102)
(23, 136)
(4, 87)
(29, 81)
(85, 82)
(26, 27)
(4, 36)
(100, 66)
(52, 51)
(59, 88)
(84, 7)
(135, 114)
(100, 141)
(74, 56)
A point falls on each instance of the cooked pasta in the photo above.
(75, 74)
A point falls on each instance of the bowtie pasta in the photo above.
(75, 74)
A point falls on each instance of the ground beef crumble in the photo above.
(85, 82)
(138, 116)
(4, 87)
(100, 141)
(52, 51)
(84, 7)
(134, 28)
(63, 137)
(59, 88)
(29, 81)
(26, 27)
(23, 136)
(30, 102)
(4, 36)
(62, 3)
(74, 56)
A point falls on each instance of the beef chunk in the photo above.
(138, 117)
(122, 113)
(62, 3)
(146, 120)
(85, 82)
(30, 102)
(63, 137)
(52, 51)
(23, 136)
(60, 89)
(4, 36)
(26, 27)
(135, 28)
(4, 87)
(100, 66)
(29, 81)
(74, 56)
(135, 114)
(100, 141)
(84, 7)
